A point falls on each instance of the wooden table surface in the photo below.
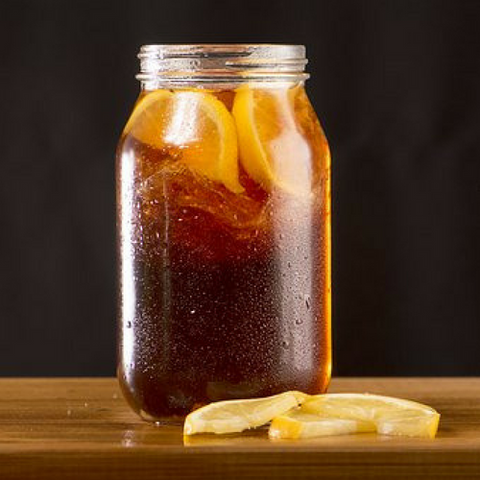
(82, 429)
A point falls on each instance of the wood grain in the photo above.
(82, 429)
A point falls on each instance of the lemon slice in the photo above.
(233, 416)
(391, 416)
(147, 121)
(194, 127)
(299, 424)
(272, 150)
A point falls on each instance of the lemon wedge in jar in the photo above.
(192, 126)
(337, 414)
(272, 150)
(232, 416)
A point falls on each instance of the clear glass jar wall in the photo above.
(223, 181)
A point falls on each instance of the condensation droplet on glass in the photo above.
(192, 311)
(298, 321)
(308, 301)
(285, 344)
(129, 324)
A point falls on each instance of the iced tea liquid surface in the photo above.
(224, 248)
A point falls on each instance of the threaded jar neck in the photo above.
(163, 65)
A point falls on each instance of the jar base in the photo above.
(174, 420)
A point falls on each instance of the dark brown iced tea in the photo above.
(224, 248)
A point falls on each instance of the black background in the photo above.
(397, 87)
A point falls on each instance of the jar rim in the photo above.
(278, 50)
(219, 63)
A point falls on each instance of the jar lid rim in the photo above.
(222, 62)
(279, 51)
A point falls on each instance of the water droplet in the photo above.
(298, 321)
(285, 344)
(115, 396)
(281, 236)
(289, 264)
(85, 404)
(180, 219)
(129, 324)
(192, 311)
(308, 302)
(69, 412)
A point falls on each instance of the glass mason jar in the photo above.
(223, 176)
